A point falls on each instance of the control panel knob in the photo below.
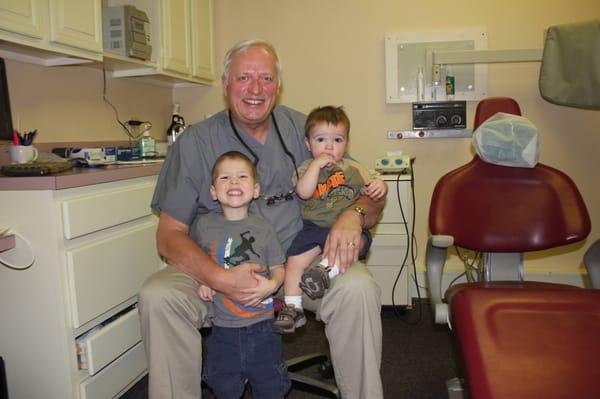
(398, 161)
(441, 121)
(385, 161)
(455, 120)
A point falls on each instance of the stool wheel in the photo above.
(326, 369)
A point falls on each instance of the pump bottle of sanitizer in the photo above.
(450, 84)
(147, 146)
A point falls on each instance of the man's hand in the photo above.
(345, 237)
(344, 240)
(243, 283)
(264, 289)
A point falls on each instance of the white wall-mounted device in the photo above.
(393, 162)
(126, 31)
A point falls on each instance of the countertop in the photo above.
(79, 177)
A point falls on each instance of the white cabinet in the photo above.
(188, 38)
(94, 246)
(203, 65)
(391, 243)
(22, 17)
(77, 23)
(177, 39)
(57, 27)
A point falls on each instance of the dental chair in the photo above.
(516, 339)
(501, 212)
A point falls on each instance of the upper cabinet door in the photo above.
(21, 16)
(202, 39)
(76, 23)
(177, 49)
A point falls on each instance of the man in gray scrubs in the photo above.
(273, 137)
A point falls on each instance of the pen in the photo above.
(16, 138)
(31, 136)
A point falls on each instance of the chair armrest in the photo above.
(591, 259)
(435, 257)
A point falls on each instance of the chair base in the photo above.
(301, 362)
(455, 388)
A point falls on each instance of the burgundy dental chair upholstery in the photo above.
(516, 339)
(528, 342)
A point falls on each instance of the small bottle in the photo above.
(450, 84)
(420, 87)
(147, 146)
(177, 125)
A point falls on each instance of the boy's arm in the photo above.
(376, 189)
(277, 276)
(307, 183)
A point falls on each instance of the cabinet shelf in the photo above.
(125, 67)
(31, 55)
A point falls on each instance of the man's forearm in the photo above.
(174, 243)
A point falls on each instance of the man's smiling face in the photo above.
(252, 87)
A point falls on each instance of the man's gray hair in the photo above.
(243, 46)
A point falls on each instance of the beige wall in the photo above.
(65, 103)
(333, 52)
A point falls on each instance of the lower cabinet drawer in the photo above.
(116, 376)
(108, 343)
(106, 272)
(388, 249)
(386, 277)
(93, 212)
(385, 258)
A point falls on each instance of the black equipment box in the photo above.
(439, 115)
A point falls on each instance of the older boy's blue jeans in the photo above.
(253, 353)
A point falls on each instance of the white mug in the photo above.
(23, 153)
